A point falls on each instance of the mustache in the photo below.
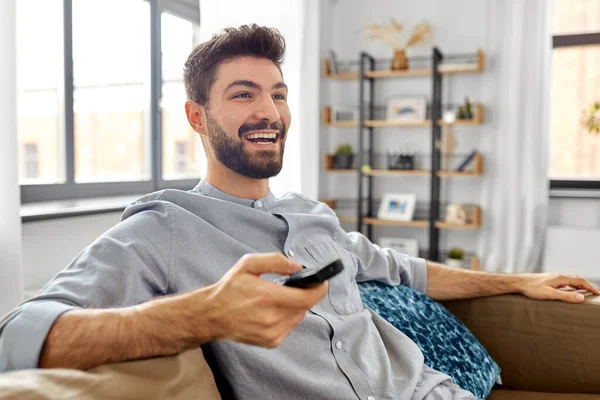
(262, 125)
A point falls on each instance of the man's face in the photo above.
(248, 117)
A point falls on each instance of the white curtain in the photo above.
(297, 20)
(10, 225)
(515, 141)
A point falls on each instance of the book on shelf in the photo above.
(468, 160)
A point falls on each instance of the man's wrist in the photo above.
(176, 323)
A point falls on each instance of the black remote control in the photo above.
(307, 277)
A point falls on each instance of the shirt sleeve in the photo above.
(386, 265)
(127, 265)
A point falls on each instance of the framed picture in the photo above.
(406, 108)
(344, 114)
(402, 245)
(397, 206)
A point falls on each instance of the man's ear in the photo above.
(196, 116)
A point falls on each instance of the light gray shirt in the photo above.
(175, 241)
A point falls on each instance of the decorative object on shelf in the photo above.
(456, 214)
(449, 144)
(465, 111)
(333, 64)
(405, 108)
(449, 116)
(397, 206)
(391, 34)
(343, 157)
(402, 159)
(401, 245)
(468, 160)
(455, 258)
(591, 118)
(344, 114)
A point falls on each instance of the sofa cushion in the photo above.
(446, 343)
(184, 376)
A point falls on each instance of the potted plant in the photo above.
(392, 35)
(343, 157)
(455, 258)
(591, 118)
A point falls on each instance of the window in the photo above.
(89, 78)
(39, 77)
(32, 161)
(575, 152)
(111, 89)
(181, 157)
(177, 43)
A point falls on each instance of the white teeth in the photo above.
(262, 135)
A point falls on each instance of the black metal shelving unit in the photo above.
(365, 181)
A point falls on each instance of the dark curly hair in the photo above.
(200, 71)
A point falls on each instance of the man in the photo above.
(184, 269)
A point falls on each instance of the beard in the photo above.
(230, 151)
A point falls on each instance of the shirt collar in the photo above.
(209, 190)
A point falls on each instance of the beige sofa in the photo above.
(547, 350)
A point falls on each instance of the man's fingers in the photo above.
(276, 263)
(284, 296)
(568, 296)
(579, 283)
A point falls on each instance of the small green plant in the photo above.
(468, 109)
(456, 253)
(344, 149)
(591, 118)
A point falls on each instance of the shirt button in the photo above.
(371, 398)
(338, 344)
(291, 253)
(259, 203)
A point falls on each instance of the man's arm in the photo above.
(240, 307)
(445, 283)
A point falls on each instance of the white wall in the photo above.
(458, 27)
(10, 234)
(49, 246)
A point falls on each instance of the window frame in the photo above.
(575, 40)
(69, 189)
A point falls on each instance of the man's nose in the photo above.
(267, 110)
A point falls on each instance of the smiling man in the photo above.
(189, 268)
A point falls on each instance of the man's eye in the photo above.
(279, 97)
(242, 96)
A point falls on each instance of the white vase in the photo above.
(454, 263)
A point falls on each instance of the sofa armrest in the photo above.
(182, 376)
(547, 346)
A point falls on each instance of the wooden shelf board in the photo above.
(344, 76)
(349, 124)
(458, 173)
(377, 221)
(444, 70)
(418, 224)
(351, 220)
(339, 170)
(383, 123)
(444, 225)
(385, 172)
(398, 74)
